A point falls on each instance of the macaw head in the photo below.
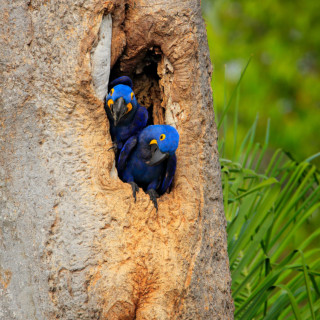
(162, 141)
(121, 102)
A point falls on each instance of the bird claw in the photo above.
(135, 189)
(114, 146)
(153, 197)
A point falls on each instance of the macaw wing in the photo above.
(125, 153)
(121, 80)
(169, 174)
(139, 122)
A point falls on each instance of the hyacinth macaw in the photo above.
(148, 160)
(127, 118)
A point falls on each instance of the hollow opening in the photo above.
(145, 80)
(143, 71)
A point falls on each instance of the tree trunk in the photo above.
(73, 243)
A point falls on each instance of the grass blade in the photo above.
(233, 94)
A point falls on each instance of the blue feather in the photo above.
(168, 177)
(134, 117)
(136, 153)
(121, 80)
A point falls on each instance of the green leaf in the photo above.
(307, 284)
(233, 94)
(293, 301)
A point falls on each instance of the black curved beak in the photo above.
(156, 155)
(118, 110)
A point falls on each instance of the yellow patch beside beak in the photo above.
(154, 141)
(110, 103)
(129, 107)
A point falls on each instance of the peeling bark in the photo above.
(73, 243)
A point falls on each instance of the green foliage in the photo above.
(283, 81)
(268, 203)
(272, 202)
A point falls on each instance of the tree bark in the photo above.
(73, 243)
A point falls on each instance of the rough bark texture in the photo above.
(73, 244)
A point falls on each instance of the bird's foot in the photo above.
(135, 189)
(114, 146)
(153, 196)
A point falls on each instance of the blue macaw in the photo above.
(148, 160)
(127, 118)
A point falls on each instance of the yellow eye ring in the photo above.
(162, 137)
(129, 107)
(110, 103)
(111, 92)
(131, 95)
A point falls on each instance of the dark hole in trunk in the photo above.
(143, 70)
(145, 83)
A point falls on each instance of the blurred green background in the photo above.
(282, 80)
(281, 83)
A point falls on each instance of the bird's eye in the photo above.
(129, 107)
(110, 103)
(162, 137)
(132, 95)
(111, 92)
